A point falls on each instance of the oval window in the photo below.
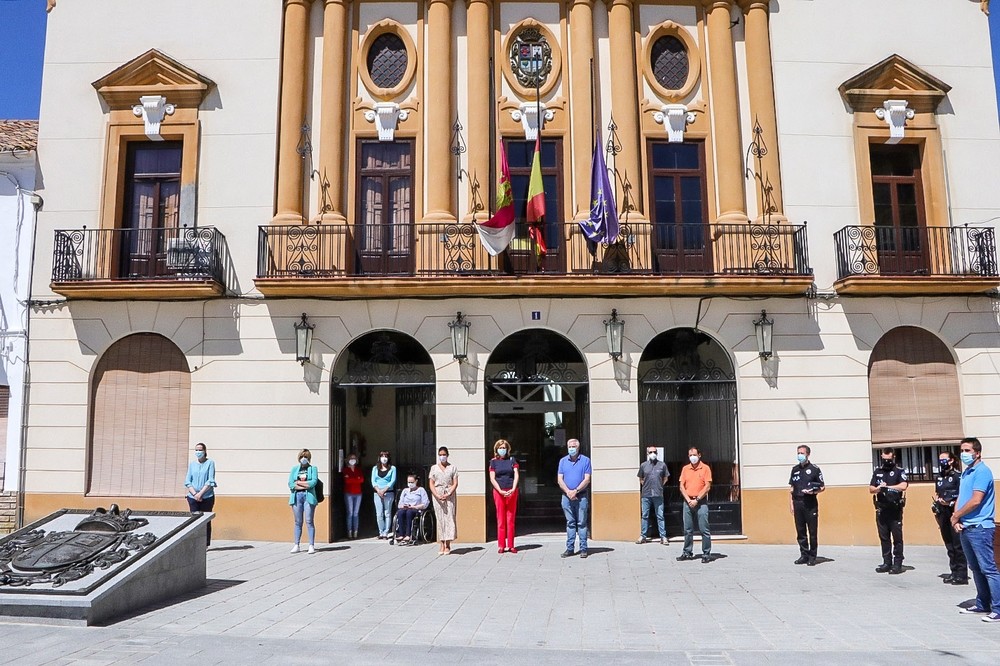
(669, 60)
(387, 60)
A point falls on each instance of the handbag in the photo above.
(319, 490)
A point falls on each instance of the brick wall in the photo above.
(8, 512)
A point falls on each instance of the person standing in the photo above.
(805, 482)
(504, 476)
(945, 494)
(653, 475)
(302, 484)
(384, 484)
(200, 484)
(887, 487)
(974, 518)
(573, 478)
(695, 482)
(443, 482)
(353, 478)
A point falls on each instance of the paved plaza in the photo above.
(365, 601)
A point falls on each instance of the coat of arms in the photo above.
(530, 58)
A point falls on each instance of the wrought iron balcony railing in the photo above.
(164, 254)
(915, 251)
(445, 250)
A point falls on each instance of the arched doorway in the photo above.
(687, 397)
(537, 398)
(140, 415)
(382, 398)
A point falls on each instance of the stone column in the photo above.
(625, 101)
(439, 111)
(293, 111)
(729, 174)
(478, 43)
(334, 104)
(581, 22)
(761, 83)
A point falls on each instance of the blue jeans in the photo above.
(383, 512)
(699, 513)
(302, 509)
(576, 521)
(353, 507)
(977, 542)
(656, 503)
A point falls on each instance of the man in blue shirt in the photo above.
(573, 478)
(974, 519)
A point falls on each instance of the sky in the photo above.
(22, 47)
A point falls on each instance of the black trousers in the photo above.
(806, 511)
(889, 522)
(952, 543)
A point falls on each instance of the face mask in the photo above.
(801, 457)
(968, 458)
(384, 460)
(304, 461)
(352, 462)
(443, 459)
(694, 459)
(887, 463)
(502, 452)
(199, 454)
(412, 485)
(651, 457)
(573, 450)
(944, 464)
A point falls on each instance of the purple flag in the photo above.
(602, 225)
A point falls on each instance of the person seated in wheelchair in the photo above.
(412, 502)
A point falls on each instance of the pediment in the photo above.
(894, 78)
(153, 73)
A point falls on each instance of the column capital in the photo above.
(747, 5)
(574, 3)
(469, 3)
(437, 2)
(336, 2)
(717, 4)
(304, 3)
(618, 3)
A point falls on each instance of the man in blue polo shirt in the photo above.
(976, 504)
(573, 479)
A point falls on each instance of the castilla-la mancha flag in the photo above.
(536, 201)
(497, 232)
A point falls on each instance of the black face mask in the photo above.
(888, 464)
(944, 465)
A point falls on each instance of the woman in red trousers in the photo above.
(504, 475)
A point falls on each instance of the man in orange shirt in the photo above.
(696, 480)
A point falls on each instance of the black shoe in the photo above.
(896, 570)
(959, 581)
(683, 557)
(802, 560)
(812, 562)
(568, 553)
(583, 554)
(947, 579)
(883, 568)
(705, 559)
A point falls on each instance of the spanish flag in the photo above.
(536, 201)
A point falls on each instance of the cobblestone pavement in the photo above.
(364, 601)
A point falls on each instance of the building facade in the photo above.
(18, 202)
(233, 174)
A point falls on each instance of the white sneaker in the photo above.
(295, 548)
(311, 550)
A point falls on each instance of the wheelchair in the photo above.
(422, 530)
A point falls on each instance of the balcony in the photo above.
(915, 260)
(163, 263)
(431, 259)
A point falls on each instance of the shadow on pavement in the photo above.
(466, 551)
(212, 585)
(220, 548)
(330, 549)
(823, 560)
(529, 546)
(597, 551)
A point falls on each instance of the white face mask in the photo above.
(502, 453)
(443, 459)
(384, 460)
(352, 462)
(651, 456)
(304, 461)
(412, 485)
(694, 459)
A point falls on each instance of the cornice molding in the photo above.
(153, 73)
(894, 78)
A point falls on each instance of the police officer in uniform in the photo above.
(806, 481)
(945, 494)
(887, 487)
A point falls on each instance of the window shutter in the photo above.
(141, 418)
(4, 409)
(913, 390)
